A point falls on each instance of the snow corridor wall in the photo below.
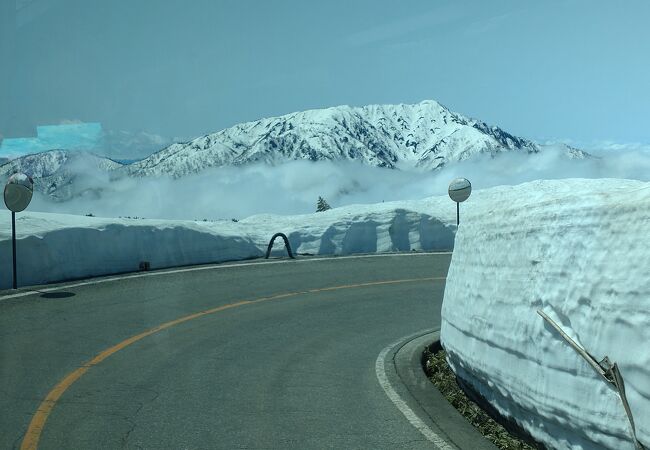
(579, 250)
(55, 247)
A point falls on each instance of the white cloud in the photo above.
(294, 187)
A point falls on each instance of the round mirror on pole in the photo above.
(459, 191)
(18, 193)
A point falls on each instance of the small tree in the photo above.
(322, 205)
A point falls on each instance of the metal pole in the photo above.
(13, 242)
(457, 213)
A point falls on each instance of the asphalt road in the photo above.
(290, 365)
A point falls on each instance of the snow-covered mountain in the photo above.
(62, 174)
(425, 135)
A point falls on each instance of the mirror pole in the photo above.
(13, 241)
(457, 213)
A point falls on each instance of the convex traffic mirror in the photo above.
(18, 192)
(459, 191)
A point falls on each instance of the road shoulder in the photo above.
(403, 369)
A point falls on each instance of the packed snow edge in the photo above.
(577, 250)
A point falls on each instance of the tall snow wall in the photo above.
(578, 250)
(57, 247)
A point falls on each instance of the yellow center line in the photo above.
(37, 424)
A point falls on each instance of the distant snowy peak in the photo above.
(55, 171)
(425, 135)
(45, 164)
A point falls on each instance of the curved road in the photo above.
(277, 354)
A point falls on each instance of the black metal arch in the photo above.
(286, 244)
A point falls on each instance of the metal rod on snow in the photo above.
(605, 368)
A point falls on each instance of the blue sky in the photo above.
(572, 69)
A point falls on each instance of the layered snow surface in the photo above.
(55, 247)
(578, 250)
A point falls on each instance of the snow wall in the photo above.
(56, 247)
(578, 250)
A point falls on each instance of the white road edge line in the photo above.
(411, 416)
(210, 267)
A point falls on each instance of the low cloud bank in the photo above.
(294, 187)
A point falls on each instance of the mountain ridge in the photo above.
(423, 136)
(62, 174)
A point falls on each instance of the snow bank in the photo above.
(578, 250)
(55, 247)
